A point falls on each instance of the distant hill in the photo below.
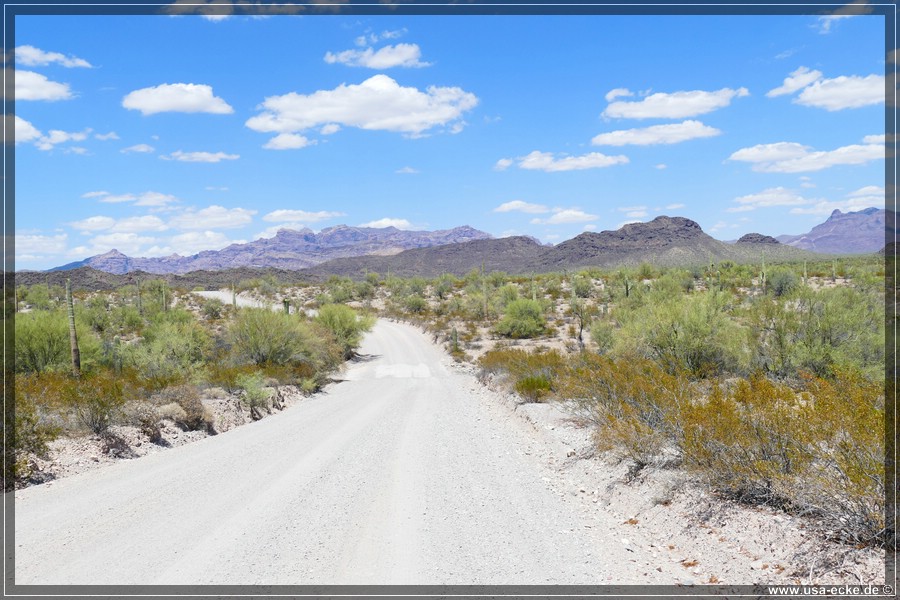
(844, 233)
(664, 241)
(289, 249)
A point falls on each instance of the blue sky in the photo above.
(175, 134)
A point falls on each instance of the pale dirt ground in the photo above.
(477, 464)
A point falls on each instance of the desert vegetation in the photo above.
(764, 381)
(147, 354)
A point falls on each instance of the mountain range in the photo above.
(845, 233)
(289, 249)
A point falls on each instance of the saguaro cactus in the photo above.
(73, 337)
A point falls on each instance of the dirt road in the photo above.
(406, 472)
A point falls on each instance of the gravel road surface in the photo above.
(405, 472)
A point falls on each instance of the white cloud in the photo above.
(843, 92)
(635, 212)
(205, 157)
(127, 243)
(875, 139)
(330, 129)
(777, 196)
(34, 57)
(590, 227)
(618, 93)
(401, 55)
(865, 197)
(197, 241)
(562, 216)
(675, 206)
(797, 80)
(546, 161)
(288, 141)
(76, 150)
(139, 224)
(152, 199)
(790, 157)
(33, 246)
(378, 103)
(521, 206)
(389, 222)
(213, 217)
(661, 166)
(176, 97)
(657, 134)
(407, 171)
(112, 135)
(34, 86)
(98, 223)
(676, 105)
(503, 164)
(138, 148)
(855, 8)
(301, 216)
(25, 131)
(55, 137)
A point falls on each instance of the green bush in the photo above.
(344, 324)
(782, 282)
(260, 336)
(170, 352)
(42, 342)
(96, 399)
(524, 318)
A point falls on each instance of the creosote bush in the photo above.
(523, 318)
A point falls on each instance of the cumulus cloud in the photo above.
(98, 223)
(797, 80)
(635, 212)
(389, 222)
(193, 242)
(176, 97)
(401, 55)
(791, 157)
(288, 141)
(843, 92)
(112, 135)
(521, 206)
(151, 199)
(777, 196)
(676, 105)
(301, 216)
(25, 131)
(142, 148)
(36, 246)
(378, 103)
(204, 157)
(34, 86)
(503, 164)
(548, 162)
(213, 217)
(657, 134)
(56, 137)
(330, 129)
(563, 216)
(35, 57)
(618, 93)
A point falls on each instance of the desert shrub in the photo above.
(145, 416)
(126, 319)
(195, 417)
(364, 290)
(582, 287)
(781, 281)
(443, 286)
(340, 289)
(415, 304)
(256, 395)
(533, 374)
(506, 294)
(221, 373)
(524, 318)
(345, 326)
(96, 399)
(33, 431)
(603, 335)
(42, 341)
(170, 352)
(693, 333)
(633, 403)
(261, 336)
(212, 308)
